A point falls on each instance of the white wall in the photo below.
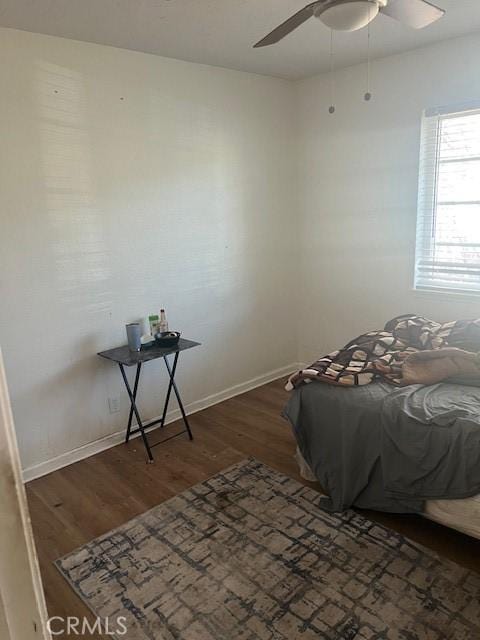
(130, 182)
(358, 183)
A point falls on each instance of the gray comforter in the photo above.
(388, 448)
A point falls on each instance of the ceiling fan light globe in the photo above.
(348, 16)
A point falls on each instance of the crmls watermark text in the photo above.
(73, 626)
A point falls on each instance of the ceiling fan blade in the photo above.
(288, 26)
(414, 13)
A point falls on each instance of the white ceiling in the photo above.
(222, 32)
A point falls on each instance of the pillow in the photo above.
(430, 367)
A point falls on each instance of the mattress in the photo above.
(339, 429)
(463, 515)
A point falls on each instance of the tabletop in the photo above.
(123, 355)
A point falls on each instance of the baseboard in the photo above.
(90, 449)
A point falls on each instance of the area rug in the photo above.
(250, 554)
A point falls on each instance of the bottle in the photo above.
(163, 324)
(153, 322)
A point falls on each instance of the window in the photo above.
(448, 223)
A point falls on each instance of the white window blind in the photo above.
(448, 222)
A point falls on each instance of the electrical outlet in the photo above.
(114, 404)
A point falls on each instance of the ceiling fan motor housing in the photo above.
(348, 15)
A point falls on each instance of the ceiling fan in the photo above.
(351, 15)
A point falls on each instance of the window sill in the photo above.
(449, 294)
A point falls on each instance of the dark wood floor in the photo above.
(78, 503)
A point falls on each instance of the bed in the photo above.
(414, 449)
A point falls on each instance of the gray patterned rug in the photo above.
(250, 554)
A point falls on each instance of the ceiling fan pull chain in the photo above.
(368, 96)
(331, 108)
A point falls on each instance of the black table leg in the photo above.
(133, 408)
(135, 388)
(169, 391)
(171, 373)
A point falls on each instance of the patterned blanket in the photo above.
(381, 354)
